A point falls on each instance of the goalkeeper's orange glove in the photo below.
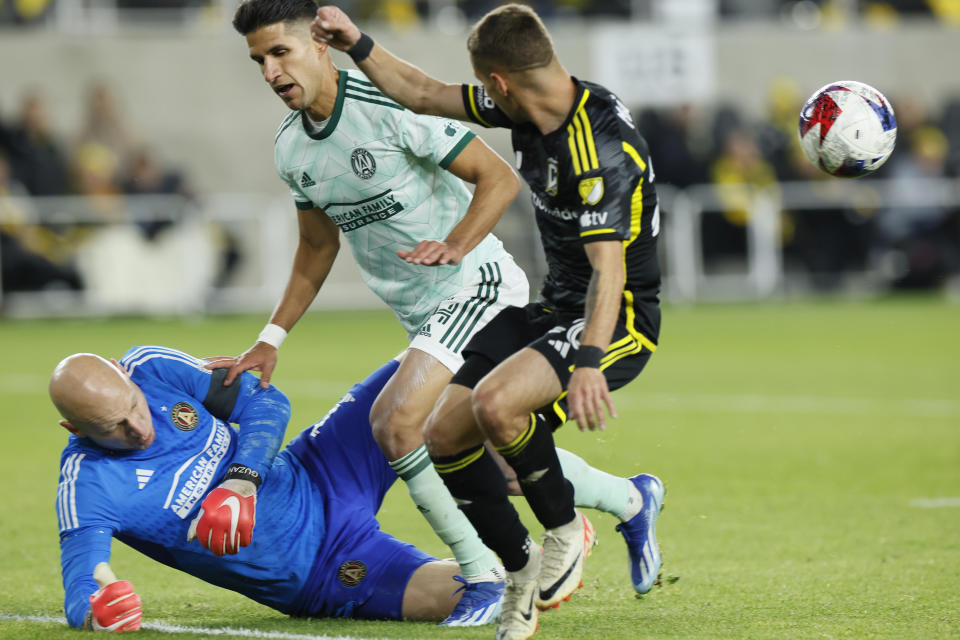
(115, 607)
(225, 521)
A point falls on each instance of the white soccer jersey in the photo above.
(379, 172)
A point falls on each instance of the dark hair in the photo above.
(256, 14)
(510, 38)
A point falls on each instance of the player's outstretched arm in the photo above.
(402, 81)
(318, 247)
(496, 187)
(115, 606)
(588, 395)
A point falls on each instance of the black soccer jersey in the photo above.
(590, 180)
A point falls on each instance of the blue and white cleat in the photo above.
(480, 603)
(640, 533)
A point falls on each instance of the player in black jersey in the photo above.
(596, 322)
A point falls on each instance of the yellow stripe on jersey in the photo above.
(636, 156)
(473, 107)
(636, 214)
(581, 145)
(588, 134)
(574, 156)
(636, 200)
(583, 151)
(594, 232)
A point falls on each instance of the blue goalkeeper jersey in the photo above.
(148, 498)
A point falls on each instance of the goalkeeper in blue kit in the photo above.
(153, 462)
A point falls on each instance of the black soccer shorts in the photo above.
(557, 337)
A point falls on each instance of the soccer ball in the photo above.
(848, 129)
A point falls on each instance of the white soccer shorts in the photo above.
(448, 330)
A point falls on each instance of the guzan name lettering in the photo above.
(381, 209)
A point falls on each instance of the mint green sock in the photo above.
(436, 504)
(596, 489)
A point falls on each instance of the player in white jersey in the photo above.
(374, 170)
(392, 182)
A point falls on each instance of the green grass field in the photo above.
(802, 446)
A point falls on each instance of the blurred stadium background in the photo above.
(808, 428)
(136, 140)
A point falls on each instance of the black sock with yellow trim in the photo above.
(477, 484)
(534, 457)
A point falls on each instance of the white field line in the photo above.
(934, 503)
(745, 403)
(207, 631)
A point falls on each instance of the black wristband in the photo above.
(240, 472)
(588, 356)
(362, 49)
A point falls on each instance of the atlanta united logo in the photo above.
(351, 573)
(184, 417)
(363, 164)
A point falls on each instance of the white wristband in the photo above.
(273, 335)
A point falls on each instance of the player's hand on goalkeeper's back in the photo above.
(332, 26)
(115, 606)
(260, 357)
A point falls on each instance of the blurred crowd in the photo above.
(401, 13)
(103, 163)
(893, 229)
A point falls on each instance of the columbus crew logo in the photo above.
(184, 416)
(363, 164)
(351, 573)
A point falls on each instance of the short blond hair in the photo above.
(510, 38)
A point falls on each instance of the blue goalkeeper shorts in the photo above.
(360, 571)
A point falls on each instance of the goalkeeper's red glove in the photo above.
(225, 521)
(115, 607)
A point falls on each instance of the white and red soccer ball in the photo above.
(848, 129)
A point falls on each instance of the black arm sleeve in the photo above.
(221, 400)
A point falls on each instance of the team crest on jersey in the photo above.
(184, 416)
(591, 190)
(553, 176)
(351, 573)
(363, 164)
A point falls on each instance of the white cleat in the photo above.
(564, 549)
(518, 620)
